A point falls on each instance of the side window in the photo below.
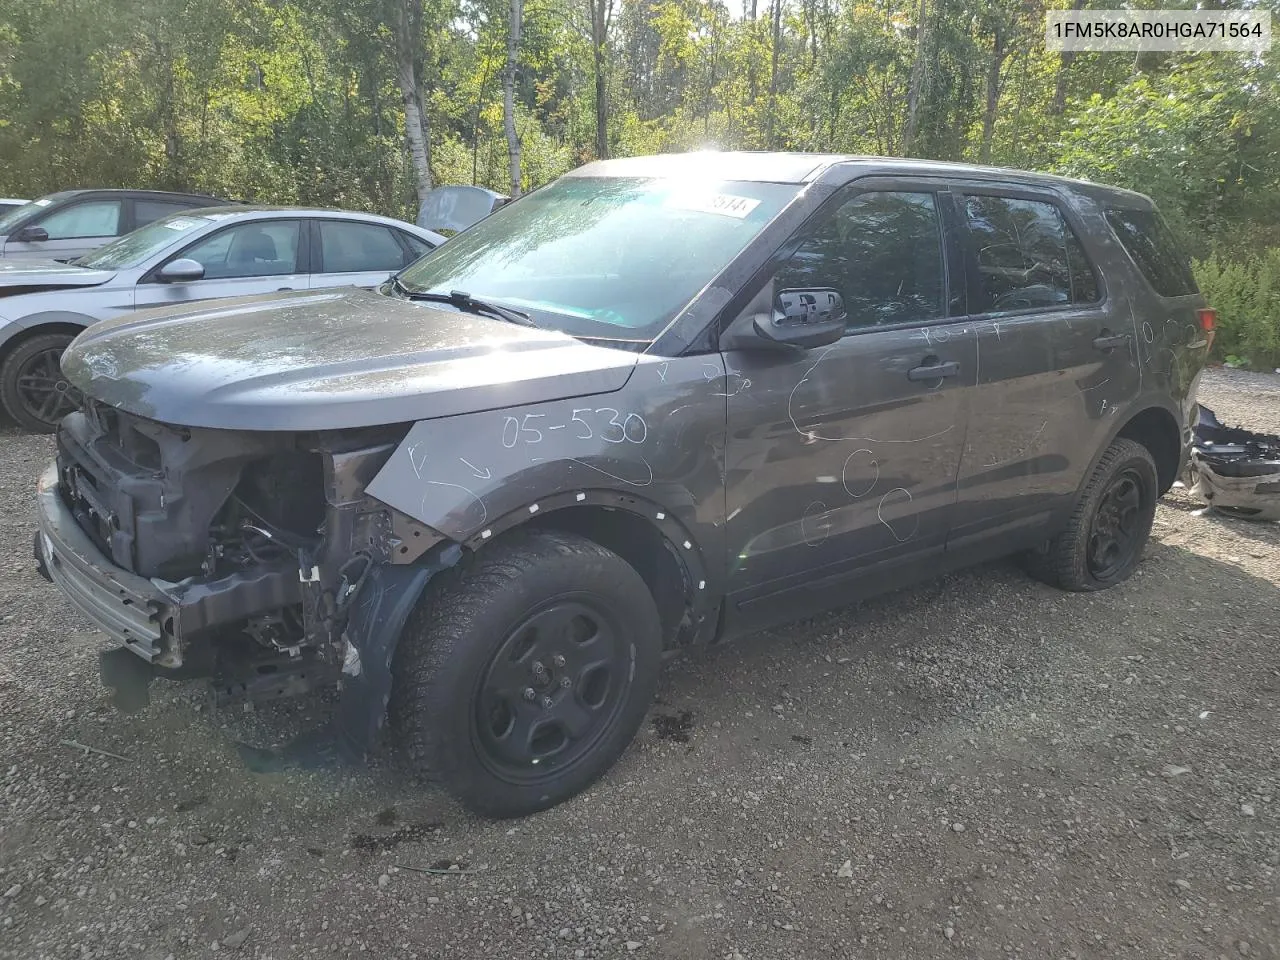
(93, 218)
(882, 251)
(147, 211)
(352, 247)
(417, 247)
(256, 249)
(1028, 255)
(1148, 239)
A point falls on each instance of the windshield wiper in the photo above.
(465, 301)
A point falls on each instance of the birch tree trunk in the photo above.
(509, 93)
(407, 24)
(918, 75)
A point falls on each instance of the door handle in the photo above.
(279, 289)
(1109, 342)
(934, 372)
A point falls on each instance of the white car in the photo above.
(196, 255)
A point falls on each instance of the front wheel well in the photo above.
(1157, 430)
(39, 330)
(645, 548)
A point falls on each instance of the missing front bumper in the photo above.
(155, 619)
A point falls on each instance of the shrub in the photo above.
(1246, 294)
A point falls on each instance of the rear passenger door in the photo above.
(350, 253)
(148, 210)
(1056, 358)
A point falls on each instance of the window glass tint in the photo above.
(882, 251)
(351, 247)
(1027, 255)
(1155, 250)
(145, 211)
(260, 249)
(94, 218)
(417, 246)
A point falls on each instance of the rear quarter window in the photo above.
(1154, 248)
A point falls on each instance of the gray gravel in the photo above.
(977, 767)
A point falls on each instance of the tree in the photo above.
(406, 18)
(509, 93)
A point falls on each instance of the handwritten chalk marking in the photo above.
(662, 516)
(486, 534)
(702, 584)
(580, 497)
(813, 435)
(614, 476)
(533, 508)
(887, 524)
(844, 474)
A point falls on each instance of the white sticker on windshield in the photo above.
(724, 204)
(180, 223)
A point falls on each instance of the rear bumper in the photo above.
(156, 620)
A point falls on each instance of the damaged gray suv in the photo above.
(658, 403)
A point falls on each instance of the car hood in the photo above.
(328, 360)
(48, 274)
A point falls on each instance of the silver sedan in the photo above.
(194, 255)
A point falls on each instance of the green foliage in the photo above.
(1246, 294)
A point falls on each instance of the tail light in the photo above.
(1208, 323)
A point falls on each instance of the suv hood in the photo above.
(47, 275)
(328, 360)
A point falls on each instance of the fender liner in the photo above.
(377, 617)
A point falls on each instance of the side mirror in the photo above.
(804, 317)
(182, 270)
(31, 235)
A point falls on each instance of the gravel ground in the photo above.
(977, 767)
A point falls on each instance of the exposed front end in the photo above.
(229, 554)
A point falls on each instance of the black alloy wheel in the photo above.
(33, 390)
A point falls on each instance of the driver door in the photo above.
(255, 257)
(74, 229)
(843, 459)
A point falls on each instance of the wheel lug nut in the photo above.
(538, 668)
(564, 682)
(546, 703)
(558, 660)
(528, 693)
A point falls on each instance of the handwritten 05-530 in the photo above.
(585, 423)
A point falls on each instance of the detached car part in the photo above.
(1236, 471)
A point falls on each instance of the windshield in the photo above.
(135, 248)
(604, 257)
(14, 217)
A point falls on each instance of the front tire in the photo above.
(32, 389)
(520, 681)
(1103, 540)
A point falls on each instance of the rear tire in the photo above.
(32, 388)
(548, 613)
(1103, 540)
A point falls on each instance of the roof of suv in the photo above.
(797, 168)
